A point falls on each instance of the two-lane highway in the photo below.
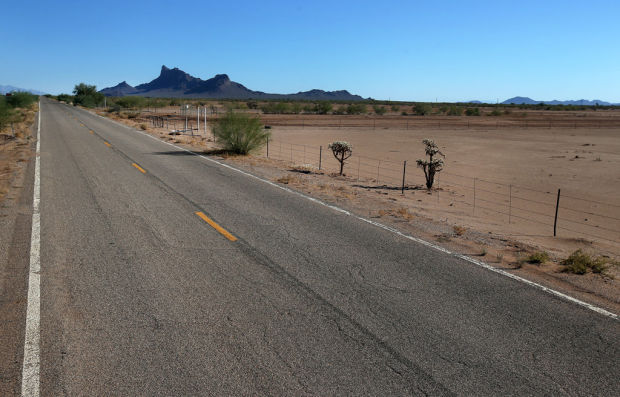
(164, 273)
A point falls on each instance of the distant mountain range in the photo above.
(4, 89)
(175, 83)
(521, 100)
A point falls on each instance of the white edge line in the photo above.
(390, 229)
(32, 334)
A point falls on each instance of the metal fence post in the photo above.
(378, 165)
(320, 156)
(267, 147)
(555, 221)
(402, 190)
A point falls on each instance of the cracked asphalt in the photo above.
(139, 296)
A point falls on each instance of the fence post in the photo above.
(358, 167)
(378, 165)
(509, 203)
(267, 147)
(555, 221)
(320, 156)
(402, 189)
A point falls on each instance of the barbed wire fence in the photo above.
(549, 213)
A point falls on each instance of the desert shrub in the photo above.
(380, 110)
(240, 133)
(323, 107)
(6, 113)
(454, 111)
(495, 113)
(432, 165)
(21, 99)
(422, 109)
(65, 98)
(340, 110)
(252, 104)
(472, 112)
(538, 257)
(395, 108)
(131, 102)
(296, 108)
(580, 262)
(143, 127)
(341, 151)
(357, 108)
(310, 108)
(276, 108)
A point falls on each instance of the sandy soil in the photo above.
(517, 173)
(15, 149)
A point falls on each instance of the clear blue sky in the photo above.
(400, 50)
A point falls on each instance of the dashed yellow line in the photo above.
(216, 226)
(92, 132)
(107, 144)
(142, 170)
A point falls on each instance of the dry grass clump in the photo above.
(459, 230)
(287, 179)
(305, 169)
(537, 258)
(402, 212)
(580, 262)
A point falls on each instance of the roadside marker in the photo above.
(216, 226)
(142, 170)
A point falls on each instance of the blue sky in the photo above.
(399, 50)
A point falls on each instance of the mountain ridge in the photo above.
(176, 83)
(521, 100)
(5, 89)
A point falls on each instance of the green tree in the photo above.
(87, 95)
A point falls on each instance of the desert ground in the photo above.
(502, 174)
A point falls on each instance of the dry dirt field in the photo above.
(496, 197)
(15, 149)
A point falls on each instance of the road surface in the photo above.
(163, 273)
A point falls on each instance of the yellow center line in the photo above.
(92, 132)
(142, 170)
(107, 144)
(216, 226)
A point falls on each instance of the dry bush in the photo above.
(538, 258)
(459, 230)
(305, 169)
(580, 262)
(286, 179)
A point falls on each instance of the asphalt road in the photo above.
(141, 296)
